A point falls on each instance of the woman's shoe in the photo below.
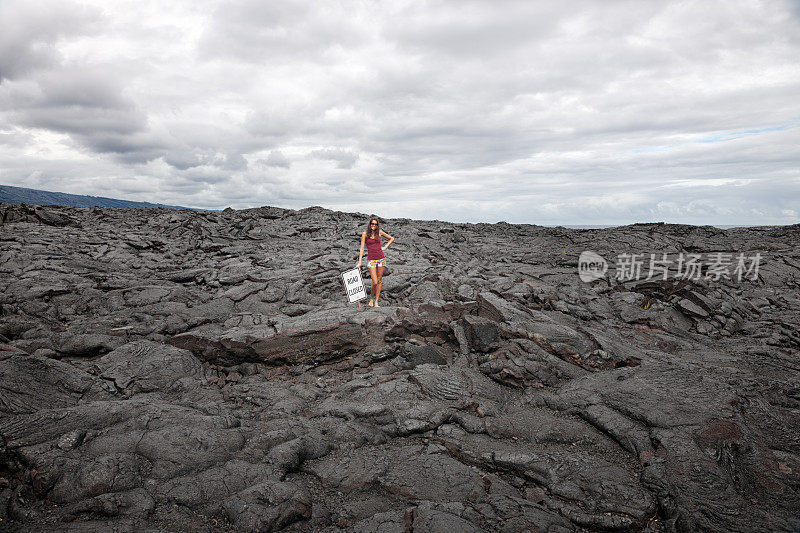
(371, 303)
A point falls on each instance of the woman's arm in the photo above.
(391, 239)
(361, 251)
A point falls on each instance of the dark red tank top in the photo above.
(374, 250)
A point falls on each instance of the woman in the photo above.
(375, 258)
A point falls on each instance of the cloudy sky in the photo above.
(546, 112)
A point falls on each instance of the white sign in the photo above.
(354, 285)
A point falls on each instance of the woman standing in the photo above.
(375, 258)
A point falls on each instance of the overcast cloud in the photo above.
(478, 111)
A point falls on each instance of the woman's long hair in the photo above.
(376, 234)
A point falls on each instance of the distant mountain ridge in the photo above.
(23, 195)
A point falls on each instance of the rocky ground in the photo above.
(186, 371)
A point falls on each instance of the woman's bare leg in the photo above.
(379, 274)
(374, 276)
